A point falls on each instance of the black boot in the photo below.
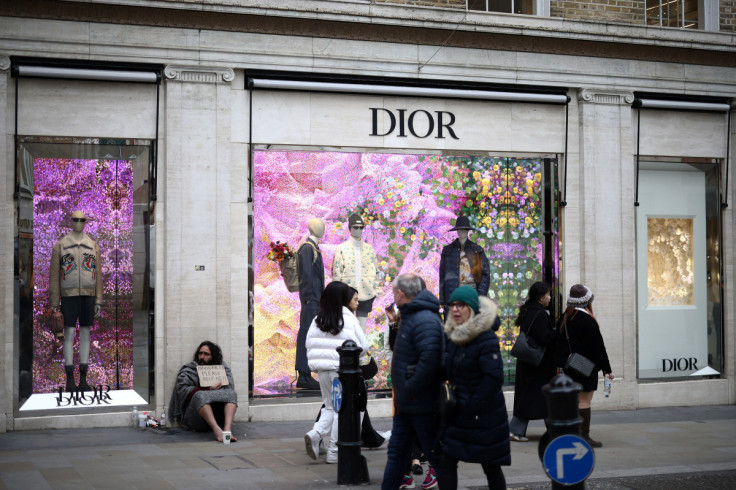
(83, 386)
(306, 381)
(585, 428)
(70, 386)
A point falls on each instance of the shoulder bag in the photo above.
(577, 362)
(56, 324)
(526, 349)
(448, 403)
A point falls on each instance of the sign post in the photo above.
(568, 460)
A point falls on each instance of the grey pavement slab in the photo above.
(676, 447)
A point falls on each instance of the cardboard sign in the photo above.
(211, 375)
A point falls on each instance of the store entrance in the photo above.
(409, 203)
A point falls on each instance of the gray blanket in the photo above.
(186, 412)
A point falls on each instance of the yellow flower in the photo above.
(501, 221)
(476, 175)
(486, 182)
(383, 263)
(496, 168)
(381, 202)
(538, 177)
(402, 230)
(413, 237)
(528, 220)
(389, 194)
(483, 205)
(400, 185)
(338, 226)
(487, 220)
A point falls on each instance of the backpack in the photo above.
(290, 268)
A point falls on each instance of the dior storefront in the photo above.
(187, 175)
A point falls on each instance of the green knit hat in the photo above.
(467, 295)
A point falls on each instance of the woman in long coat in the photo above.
(478, 432)
(579, 325)
(529, 402)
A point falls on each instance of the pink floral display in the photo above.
(102, 189)
(409, 203)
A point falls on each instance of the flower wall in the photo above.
(102, 189)
(409, 203)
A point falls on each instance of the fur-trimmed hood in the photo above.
(476, 324)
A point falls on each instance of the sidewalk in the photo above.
(677, 447)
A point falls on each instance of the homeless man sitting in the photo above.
(202, 408)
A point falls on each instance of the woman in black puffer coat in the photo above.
(479, 431)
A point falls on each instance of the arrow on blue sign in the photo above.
(578, 450)
(568, 459)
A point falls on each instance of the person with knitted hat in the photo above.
(479, 431)
(579, 325)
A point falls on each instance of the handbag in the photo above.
(577, 362)
(57, 323)
(368, 371)
(526, 349)
(448, 402)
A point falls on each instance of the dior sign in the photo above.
(681, 364)
(419, 123)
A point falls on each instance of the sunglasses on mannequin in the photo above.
(79, 220)
(357, 227)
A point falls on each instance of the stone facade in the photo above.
(205, 138)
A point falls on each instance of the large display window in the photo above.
(84, 245)
(680, 307)
(409, 203)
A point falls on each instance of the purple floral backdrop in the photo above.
(409, 203)
(103, 190)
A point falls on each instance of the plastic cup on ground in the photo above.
(226, 436)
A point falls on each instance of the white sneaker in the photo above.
(331, 457)
(311, 442)
(517, 437)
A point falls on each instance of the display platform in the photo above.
(87, 399)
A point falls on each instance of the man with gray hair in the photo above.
(416, 372)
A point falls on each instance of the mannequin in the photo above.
(311, 284)
(463, 263)
(355, 264)
(75, 282)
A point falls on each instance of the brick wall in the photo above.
(728, 16)
(457, 4)
(625, 11)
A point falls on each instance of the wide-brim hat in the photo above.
(462, 223)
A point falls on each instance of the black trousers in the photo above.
(447, 476)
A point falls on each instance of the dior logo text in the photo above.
(681, 364)
(399, 121)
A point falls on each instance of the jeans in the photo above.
(406, 428)
(518, 426)
(447, 476)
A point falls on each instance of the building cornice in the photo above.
(402, 24)
(610, 97)
(199, 74)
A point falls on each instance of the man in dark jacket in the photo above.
(416, 371)
(463, 263)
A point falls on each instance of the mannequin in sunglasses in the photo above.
(75, 286)
(355, 264)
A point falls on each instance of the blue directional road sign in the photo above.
(336, 394)
(568, 459)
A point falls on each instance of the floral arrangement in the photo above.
(280, 251)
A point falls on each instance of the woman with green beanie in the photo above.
(478, 431)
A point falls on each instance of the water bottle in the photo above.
(607, 387)
(142, 418)
(162, 420)
(135, 416)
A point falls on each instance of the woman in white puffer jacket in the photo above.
(333, 325)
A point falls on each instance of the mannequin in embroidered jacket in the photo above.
(355, 264)
(463, 263)
(311, 284)
(75, 285)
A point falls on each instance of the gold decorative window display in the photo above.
(670, 276)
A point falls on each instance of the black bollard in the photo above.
(563, 419)
(352, 467)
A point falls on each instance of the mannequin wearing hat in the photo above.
(355, 264)
(75, 286)
(311, 284)
(463, 263)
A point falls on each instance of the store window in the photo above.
(679, 270)
(84, 212)
(409, 203)
(672, 13)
